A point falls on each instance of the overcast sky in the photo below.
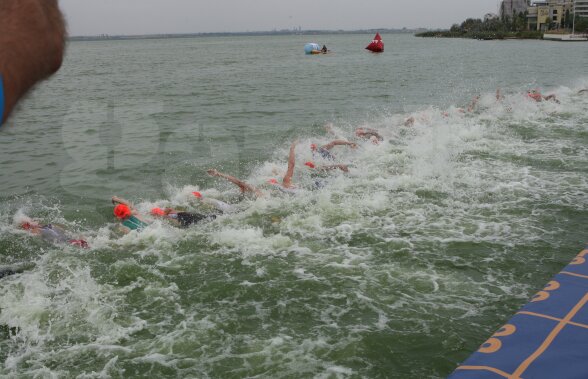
(92, 17)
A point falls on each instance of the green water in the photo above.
(399, 269)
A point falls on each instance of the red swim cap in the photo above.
(312, 146)
(272, 181)
(309, 164)
(122, 211)
(26, 225)
(197, 194)
(157, 212)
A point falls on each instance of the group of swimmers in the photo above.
(131, 219)
(533, 95)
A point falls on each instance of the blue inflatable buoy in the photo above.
(312, 48)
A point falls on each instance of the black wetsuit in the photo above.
(7, 272)
(186, 219)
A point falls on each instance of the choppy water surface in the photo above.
(398, 269)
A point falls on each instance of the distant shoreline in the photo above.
(481, 35)
(106, 37)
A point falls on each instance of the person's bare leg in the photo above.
(287, 182)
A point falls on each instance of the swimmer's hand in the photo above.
(212, 172)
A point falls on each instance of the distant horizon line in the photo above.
(247, 33)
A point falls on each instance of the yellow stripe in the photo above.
(486, 368)
(554, 333)
(574, 274)
(551, 318)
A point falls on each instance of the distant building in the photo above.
(491, 16)
(511, 8)
(582, 8)
(549, 14)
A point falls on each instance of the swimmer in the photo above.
(180, 218)
(127, 215)
(472, 105)
(536, 95)
(499, 96)
(367, 133)
(325, 150)
(319, 172)
(51, 233)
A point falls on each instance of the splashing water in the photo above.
(398, 268)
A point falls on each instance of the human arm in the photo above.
(118, 200)
(287, 181)
(367, 133)
(32, 43)
(499, 96)
(339, 142)
(341, 167)
(473, 104)
(245, 187)
(218, 204)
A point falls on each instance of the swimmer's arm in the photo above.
(499, 96)
(409, 121)
(338, 142)
(368, 133)
(245, 187)
(473, 104)
(118, 200)
(32, 43)
(287, 181)
(220, 205)
(341, 167)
